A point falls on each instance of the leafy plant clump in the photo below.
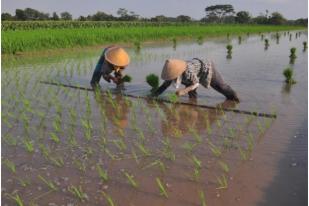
(153, 81)
(293, 51)
(126, 78)
(288, 74)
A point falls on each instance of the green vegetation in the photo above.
(127, 78)
(153, 81)
(293, 51)
(40, 39)
(288, 74)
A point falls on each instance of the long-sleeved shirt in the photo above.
(198, 71)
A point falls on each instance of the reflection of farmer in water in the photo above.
(193, 73)
(116, 109)
(183, 118)
(113, 59)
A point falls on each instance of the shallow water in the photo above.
(248, 151)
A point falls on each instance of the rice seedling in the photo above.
(292, 52)
(28, 144)
(23, 183)
(44, 150)
(58, 161)
(174, 43)
(305, 46)
(277, 38)
(143, 149)
(229, 48)
(188, 146)
(134, 155)
(173, 98)
(16, 198)
(137, 46)
(162, 188)
(49, 183)
(222, 182)
(130, 179)
(10, 165)
(266, 44)
(224, 166)
(243, 154)
(80, 165)
(288, 74)
(120, 144)
(200, 40)
(9, 140)
(109, 199)
(127, 78)
(54, 137)
(153, 81)
(262, 36)
(196, 136)
(156, 163)
(102, 173)
(78, 192)
(290, 38)
(214, 149)
(197, 163)
(202, 198)
(87, 129)
(239, 39)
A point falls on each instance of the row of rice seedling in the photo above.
(33, 40)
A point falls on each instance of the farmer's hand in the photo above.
(116, 80)
(180, 92)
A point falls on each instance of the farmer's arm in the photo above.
(184, 91)
(162, 88)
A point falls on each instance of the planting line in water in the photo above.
(168, 101)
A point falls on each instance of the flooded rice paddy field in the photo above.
(66, 146)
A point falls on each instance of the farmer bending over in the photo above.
(191, 74)
(113, 59)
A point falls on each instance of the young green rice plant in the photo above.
(102, 173)
(87, 129)
(58, 161)
(222, 182)
(44, 150)
(54, 137)
(120, 144)
(196, 174)
(290, 38)
(162, 187)
(109, 199)
(9, 140)
(137, 45)
(202, 198)
(78, 192)
(188, 146)
(288, 74)
(243, 153)
(143, 149)
(229, 48)
(173, 98)
(197, 163)
(266, 43)
(127, 78)
(196, 136)
(250, 142)
(262, 36)
(49, 183)
(214, 149)
(130, 179)
(10, 165)
(224, 166)
(153, 81)
(292, 52)
(277, 38)
(305, 46)
(80, 165)
(158, 163)
(17, 199)
(23, 182)
(134, 155)
(200, 40)
(239, 39)
(174, 43)
(28, 144)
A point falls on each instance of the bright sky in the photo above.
(291, 9)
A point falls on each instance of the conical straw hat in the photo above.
(117, 56)
(173, 68)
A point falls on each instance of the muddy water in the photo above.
(234, 159)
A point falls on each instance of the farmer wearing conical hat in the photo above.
(191, 74)
(113, 59)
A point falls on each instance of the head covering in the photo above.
(173, 68)
(117, 56)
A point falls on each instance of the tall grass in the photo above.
(39, 39)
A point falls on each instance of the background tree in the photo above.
(183, 18)
(277, 19)
(66, 16)
(6, 16)
(217, 12)
(101, 16)
(55, 16)
(159, 18)
(242, 17)
(20, 15)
